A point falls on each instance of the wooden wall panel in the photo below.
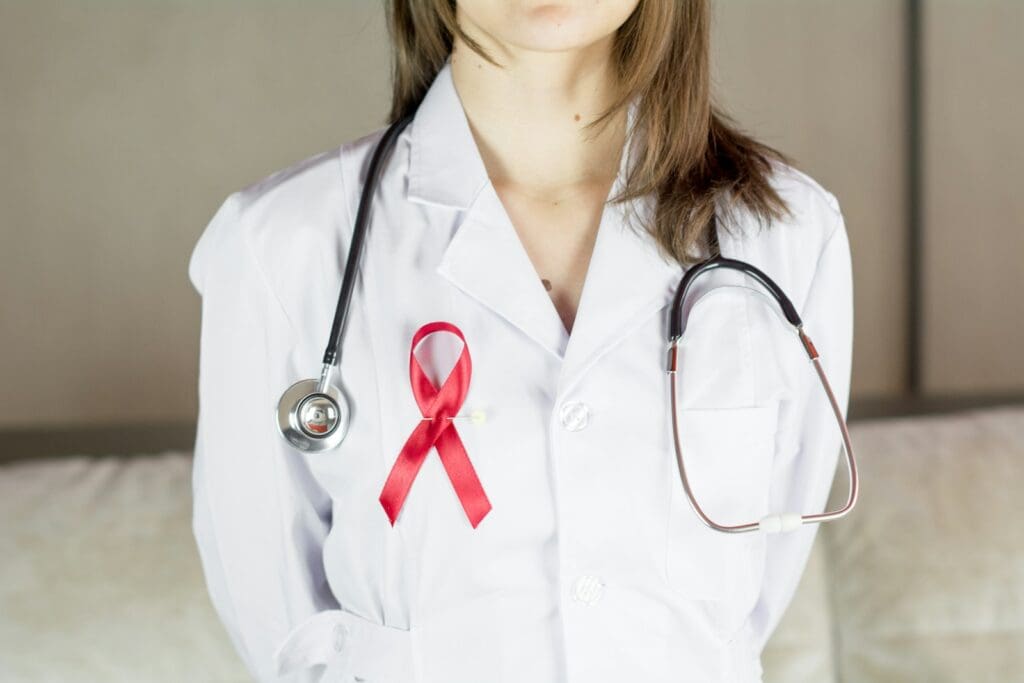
(123, 125)
(823, 81)
(973, 171)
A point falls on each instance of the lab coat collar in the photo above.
(445, 167)
(627, 279)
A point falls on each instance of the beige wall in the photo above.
(816, 79)
(974, 196)
(123, 125)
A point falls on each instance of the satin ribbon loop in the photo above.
(437, 431)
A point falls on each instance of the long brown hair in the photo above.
(692, 158)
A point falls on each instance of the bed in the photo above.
(100, 580)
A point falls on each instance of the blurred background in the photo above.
(123, 125)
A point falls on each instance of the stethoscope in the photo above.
(313, 414)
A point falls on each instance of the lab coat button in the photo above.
(588, 589)
(574, 415)
(340, 637)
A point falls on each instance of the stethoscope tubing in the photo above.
(773, 522)
(383, 150)
(676, 321)
(290, 422)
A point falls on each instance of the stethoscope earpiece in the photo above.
(313, 418)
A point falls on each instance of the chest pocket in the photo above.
(728, 454)
(729, 389)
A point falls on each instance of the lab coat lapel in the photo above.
(484, 257)
(627, 279)
(487, 260)
(627, 282)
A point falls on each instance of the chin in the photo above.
(546, 26)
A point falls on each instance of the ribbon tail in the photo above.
(463, 476)
(403, 472)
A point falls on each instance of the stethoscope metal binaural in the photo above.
(313, 414)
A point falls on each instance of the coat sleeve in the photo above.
(259, 517)
(809, 445)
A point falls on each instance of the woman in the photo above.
(560, 175)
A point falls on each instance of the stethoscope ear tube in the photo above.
(675, 326)
(774, 522)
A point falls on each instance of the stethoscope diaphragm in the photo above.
(313, 418)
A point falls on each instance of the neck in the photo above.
(528, 118)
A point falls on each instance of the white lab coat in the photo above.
(590, 567)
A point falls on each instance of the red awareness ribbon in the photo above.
(438, 431)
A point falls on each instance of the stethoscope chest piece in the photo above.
(313, 418)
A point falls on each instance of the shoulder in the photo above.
(309, 188)
(793, 249)
(814, 214)
(287, 217)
